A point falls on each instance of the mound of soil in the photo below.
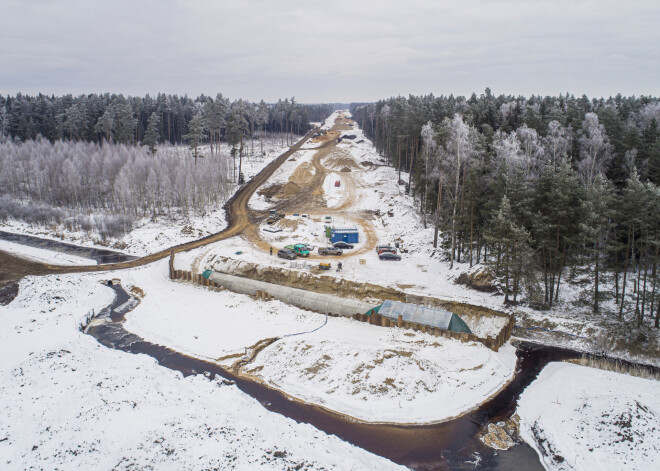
(303, 175)
(345, 169)
(270, 191)
(326, 136)
(290, 189)
(285, 223)
(341, 159)
(366, 163)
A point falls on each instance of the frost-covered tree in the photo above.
(262, 121)
(237, 128)
(460, 146)
(595, 149)
(215, 117)
(557, 142)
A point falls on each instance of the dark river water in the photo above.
(451, 445)
(100, 255)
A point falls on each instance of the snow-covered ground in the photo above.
(204, 323)
(380, 374)
(372, 373)
(67, 402)
(43, 255)
(581, 418)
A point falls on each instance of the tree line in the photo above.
(539, 189)
(116, 118)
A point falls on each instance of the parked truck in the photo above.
(299, 249)
(274, 216)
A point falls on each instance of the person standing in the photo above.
(271, 251)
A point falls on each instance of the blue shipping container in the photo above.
(350, 236)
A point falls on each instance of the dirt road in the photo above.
(310, 198)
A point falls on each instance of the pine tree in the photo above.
(195, 134)
(598, 218)
(153, 133)
(513, 249)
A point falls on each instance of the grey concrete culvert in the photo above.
(319, 302)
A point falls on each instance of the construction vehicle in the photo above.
(325, 266)
(274, 216)
(299, 249)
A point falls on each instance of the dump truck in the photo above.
(299, 249)
(274, 216)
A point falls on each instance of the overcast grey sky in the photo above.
(338, 50)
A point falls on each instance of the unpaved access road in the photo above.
(310, 199)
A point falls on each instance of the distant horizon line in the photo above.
(5, 95)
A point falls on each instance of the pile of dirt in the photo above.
(290, 189)
(366, 163)
(481, 280)
(325, 137)
(346, 169)
(303, 175)
(269, 191)
(285, 223)
(341, 159)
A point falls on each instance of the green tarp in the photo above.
(421, 315)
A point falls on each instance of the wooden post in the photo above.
(172, 275)
(399, 321)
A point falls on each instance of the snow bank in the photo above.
(371, 373)
(66, 402)
(380, 374)
(583, 418)
(218, 325)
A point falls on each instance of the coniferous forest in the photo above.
(539, 189)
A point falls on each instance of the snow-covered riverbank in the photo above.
(581, 418)
(67, 402)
